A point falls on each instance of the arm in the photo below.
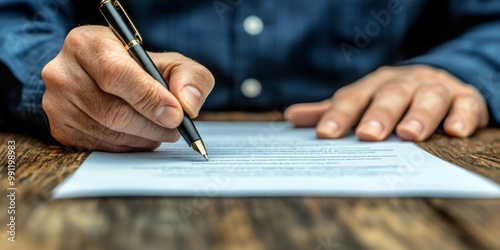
(32, 34)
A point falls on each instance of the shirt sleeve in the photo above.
(32, 34)
(473, 55)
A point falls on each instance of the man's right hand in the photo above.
(97, 97)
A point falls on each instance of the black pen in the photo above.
(125, 30)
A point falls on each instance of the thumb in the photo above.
(189, 81)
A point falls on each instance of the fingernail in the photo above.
(328, 129)
(372, 127)
(414, 126)
(457, 126)
(168, 116)
(192, 98)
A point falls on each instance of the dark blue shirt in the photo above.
(264, 54)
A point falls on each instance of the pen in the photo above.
(124, 29)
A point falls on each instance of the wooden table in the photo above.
(245, 223)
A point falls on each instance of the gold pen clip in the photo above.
(137, 35)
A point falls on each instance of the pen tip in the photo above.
(199, 147)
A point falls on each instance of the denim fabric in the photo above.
(305, 51)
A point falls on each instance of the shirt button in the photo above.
(251, 88)
(253, 25)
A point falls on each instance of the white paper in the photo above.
(274, 159)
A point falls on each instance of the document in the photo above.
(274, 159)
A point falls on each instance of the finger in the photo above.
(81, 124)
(117, 73)
(346, 107)
(85, 124)
(188, 80)
(348, 103)
(82, 140)
(306, 114)
(468, 112)
(110, 111)
(429, 106)
(386, 109)
(118, 116)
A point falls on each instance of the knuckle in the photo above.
(148, 100)
(48, 106)
(469, 105)
(380, 113)
(48, 72)
(51, 76)
(77, 39)
(112, 72)
(118, 116)
(203, 75)
(468, 89)
(437, 90)
(60, 134)
(424, 69)
(430, 72)
(394, 89)
(348, 94)
(384, 71)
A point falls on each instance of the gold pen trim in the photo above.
(104, 2)
(127, 33)
(131, 44)
(118, 6)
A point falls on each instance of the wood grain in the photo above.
(246, 223)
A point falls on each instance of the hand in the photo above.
(97, 97)
(413, 100)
